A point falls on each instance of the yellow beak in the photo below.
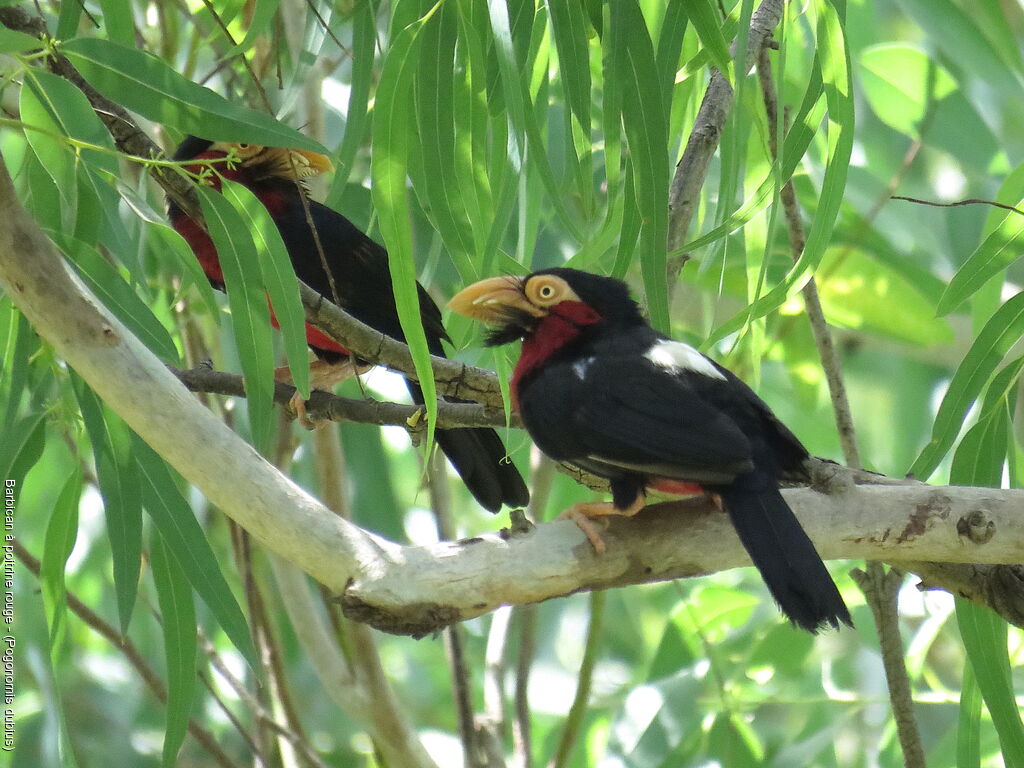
(489, 300)
(298, 162)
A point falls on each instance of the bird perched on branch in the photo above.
(350, 268)
(596, 386)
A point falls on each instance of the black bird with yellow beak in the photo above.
(353, 271)
(596, 386)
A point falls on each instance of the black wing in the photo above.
(359, 268)
(626, 413)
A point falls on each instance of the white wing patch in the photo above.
(676, 354)
(580, 367)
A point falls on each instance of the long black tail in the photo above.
(478, 455)
(782, 552)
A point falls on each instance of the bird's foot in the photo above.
(323, 376)
(585, 513)
(297, 407)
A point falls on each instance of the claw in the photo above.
(584, 514)
(323, 376)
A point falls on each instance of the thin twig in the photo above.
(542, 473)
(298, 740)
(578, 710)
(473, 734)
(881, 590)
(357, 641)
(875, 584)
(495, 670)
(241, 56)
(327, 28)
(522, 740)
(132, 654)
(969, 201)
(692, 169)
(323, 406)
(815, 314)
(268, 750)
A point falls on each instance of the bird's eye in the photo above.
(546, 290)
(243, 146)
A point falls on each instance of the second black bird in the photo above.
(353, 271)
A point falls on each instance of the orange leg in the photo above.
(323, 376)
(584, 514)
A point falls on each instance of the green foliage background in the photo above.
(474, 138)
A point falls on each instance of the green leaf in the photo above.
(145, 84)
(1001, 392)
(968, 732)
(670, 46)
(21, 447)
(645, 120)
(70, 113)
(438, 183)
(106, 282)
(522, 117)
(168, 241)
(12, 41)
(865, 292)
(833, 58)
(953, 31)
(259, 26)
(631, 223)
(985, 636)
(58, 543)
(61, 533)
(1001, 247)
(250, 315)
(17, 343)
(187, 544)
(895, 78)
(178, 621)
(55, 156)
(278, 278)
(122, 495)
(392, 135)
(364, 45)
(118, 21)
(67, 21)
(569, 28)
(1000, 333)
(980, 456)
(707, 21)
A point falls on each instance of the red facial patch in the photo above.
(563, 323)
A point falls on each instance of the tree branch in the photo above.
(812, 302)
(415, 590)
(129, 138)
(692, 168)
(453, 379)
(449, 582)
(132, 654)
(324, 406)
